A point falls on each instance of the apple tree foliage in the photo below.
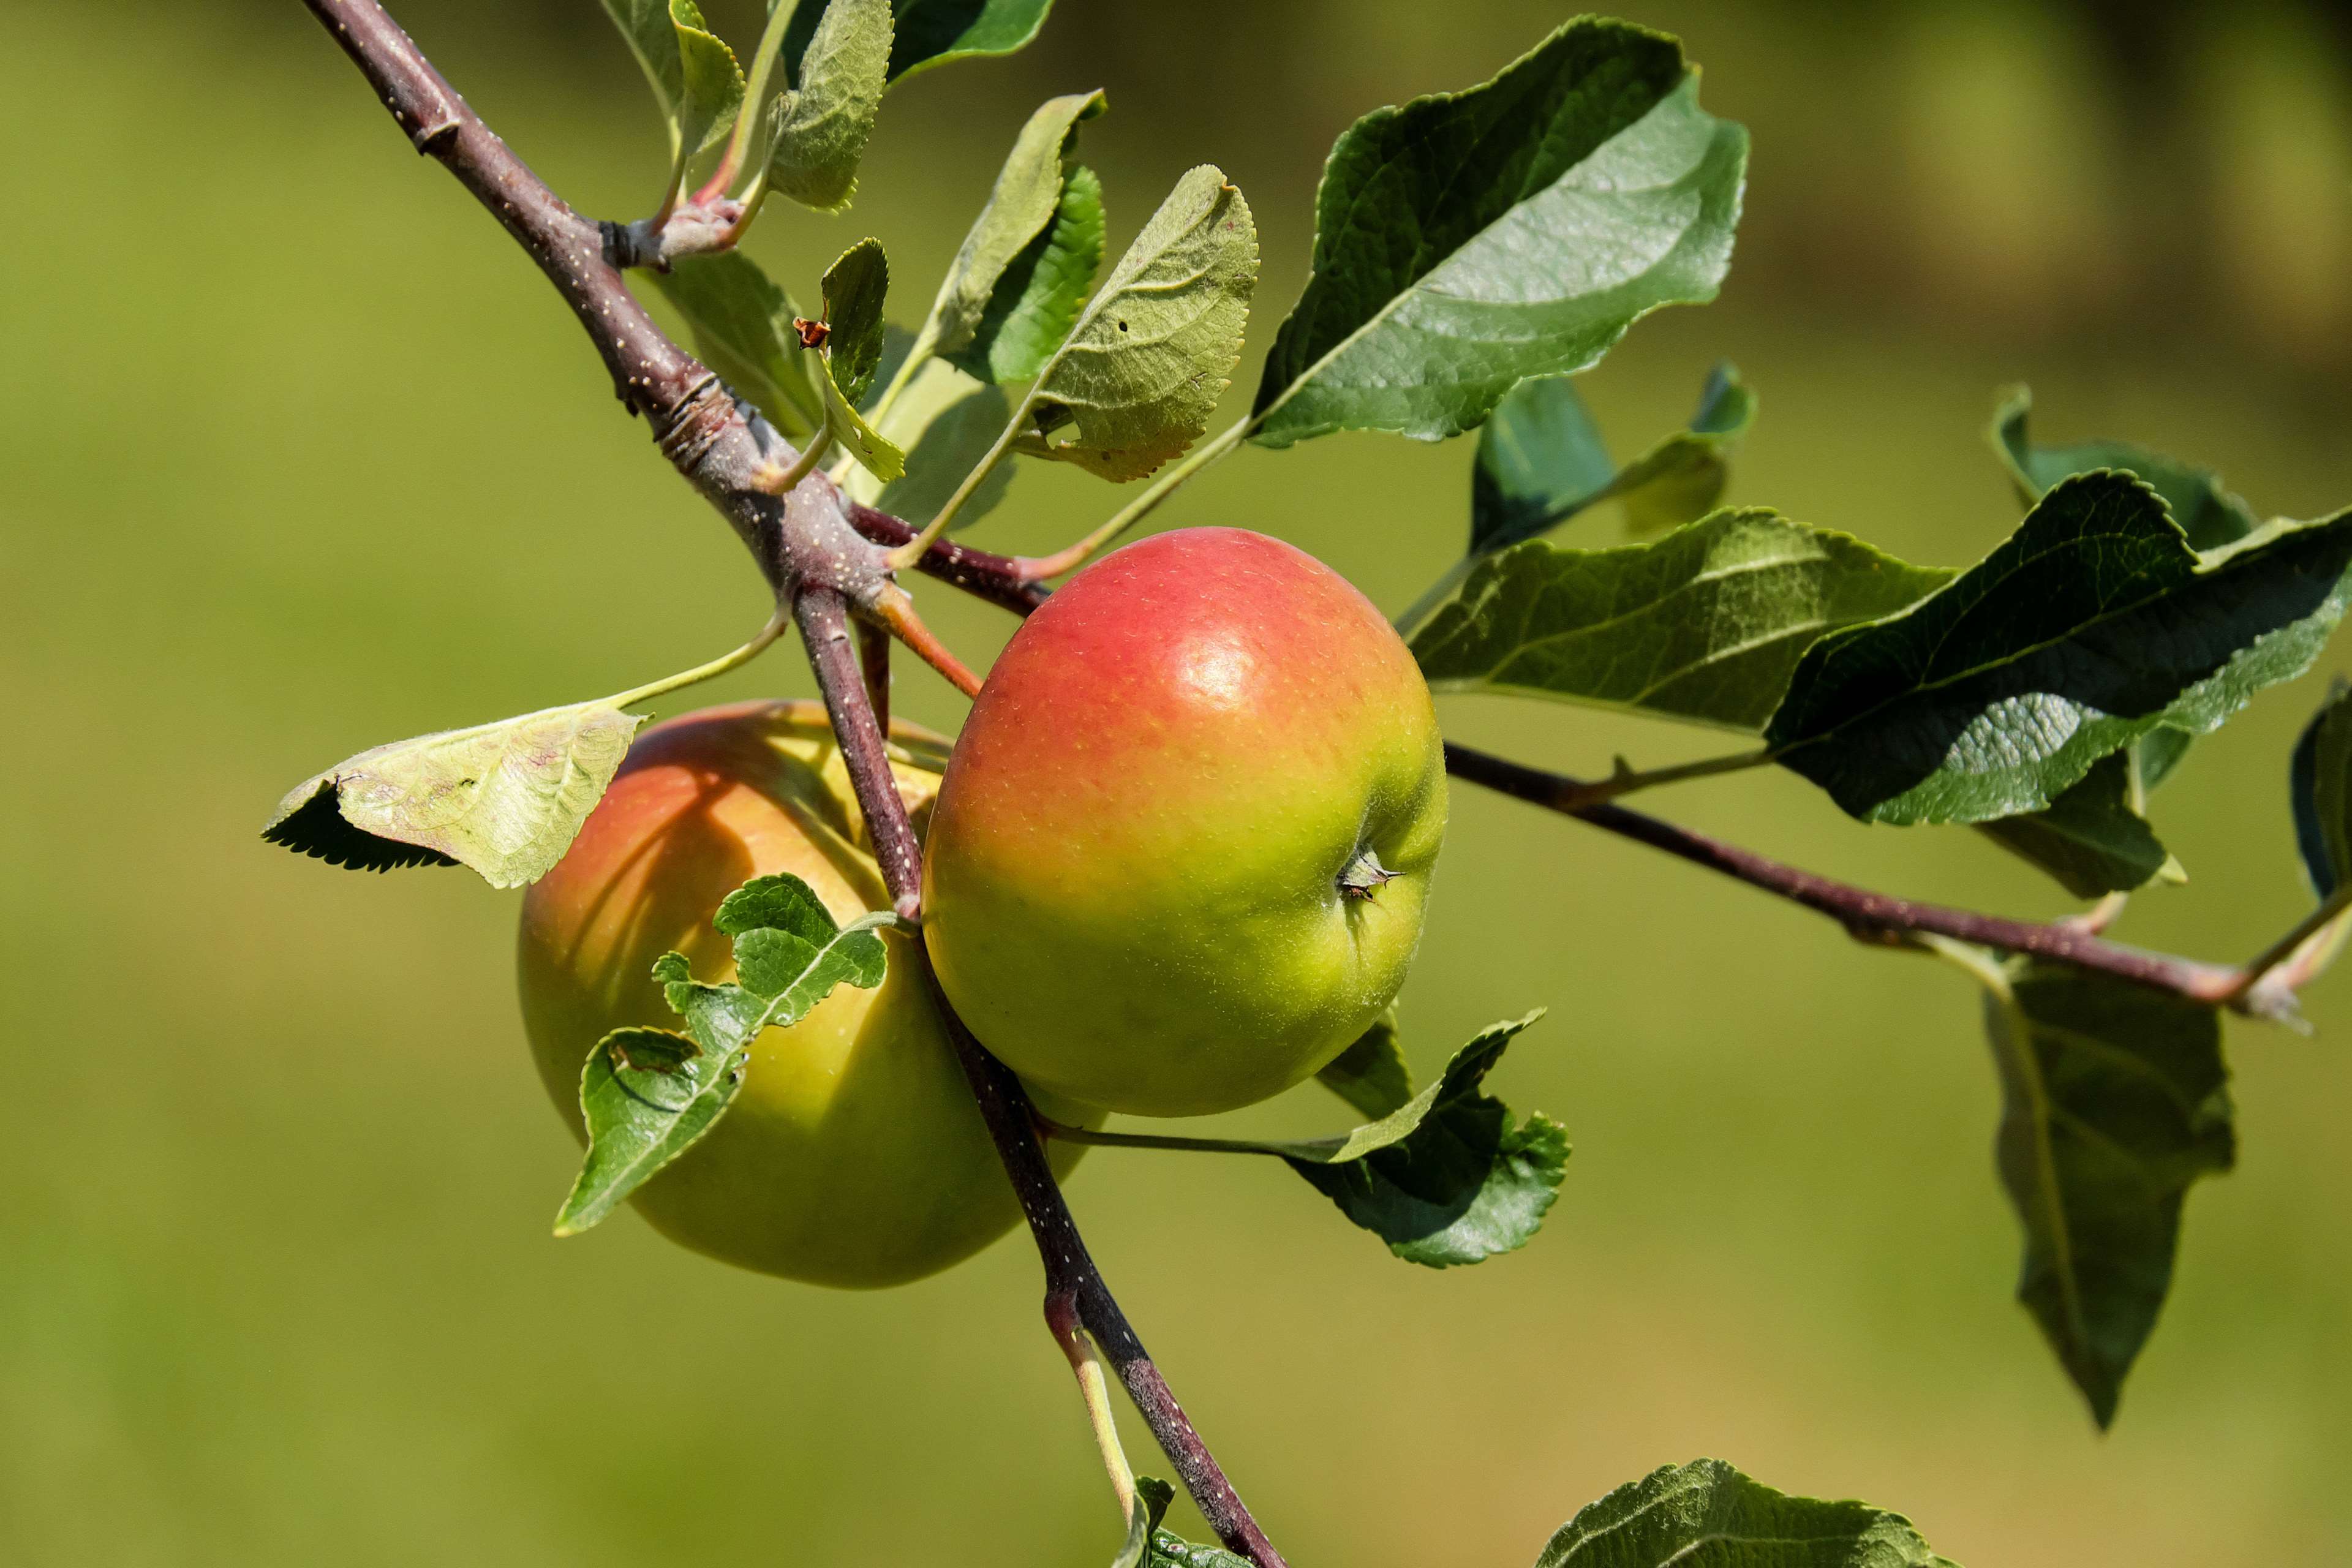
(1472, 251)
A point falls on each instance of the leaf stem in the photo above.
(716, 666)
(907, 555)
(1036, 569)
(784, 481)
(2286, 947)
(1103, 1138)
(1628, 780)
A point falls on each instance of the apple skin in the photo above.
(853, 1154)
(1130, 886)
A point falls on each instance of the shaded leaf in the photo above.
(1372, 1074)
(1037, 299)
(742, 328)
(1541, 460)
(1021, 209)
(1705, 624)
(1446, 1178)
(2093, 625)
(945, 422)
(1467, 240)
(818, 130)
(2092, 839)
(1139, 374)
(2320, 789)
(1682, 477)
(2114, 1100)
(2209, 514)
(1707, 1514)
(505, 799)
(648, 1095)
(936, 32)
(856, 287)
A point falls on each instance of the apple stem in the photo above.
(1086, 1365)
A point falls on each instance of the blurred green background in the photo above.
(300, 455)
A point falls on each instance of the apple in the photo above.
(853, 1154)
(1180, 854)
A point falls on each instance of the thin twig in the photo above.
(994, 578)
(1877, 917)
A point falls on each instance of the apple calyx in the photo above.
(1363, 875)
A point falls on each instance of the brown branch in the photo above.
(1868, 916)
(813, 546)
(1073, 1283)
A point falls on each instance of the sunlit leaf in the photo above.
(1038, 299)
(648, 1095)
(711, 82)
(2113, 1101)
(2093, 625)
(1372, 1074)
(1134, 383)
(742, 328)
(1682, 477)
(1705, 1514)
(505, 799)
(936, 32)
(818, 130)
(856, 287)
(1020, 213)
(1705, 624)
(1467, 240)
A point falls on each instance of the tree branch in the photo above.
(1875, 916)
(812, 545)
(1073, 1283)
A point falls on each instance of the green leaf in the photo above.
(1704, 626)
(1152, 1497)
(1169, 1550)
(711, 82)
(1682, 477)
(1021, 210)
(1372, 1074)
(743, 329)
(936, 32)
(1446, 1178)
(818, 130)
(1038, 299)
(2093, 625)
(856, 287)
(2320, 789)
(1541, 460)
(648, 1095)
(1139, 374)
(2114, 1100)
(1705, 1514)
(1468, 240)
(640, 1118)
(945, 422)
(505, 799)
(2092, 839)
(2208, 513)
